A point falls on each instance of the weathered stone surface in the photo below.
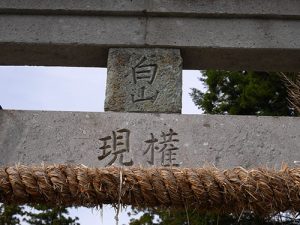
(221, 34)
(32, 137)
(225, 8)
(144, 80)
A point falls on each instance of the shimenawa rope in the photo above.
(263, 191)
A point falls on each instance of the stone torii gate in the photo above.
(145, 44)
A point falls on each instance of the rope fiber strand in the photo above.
(263, 191)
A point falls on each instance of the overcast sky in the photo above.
(67, 88)
(72, 89)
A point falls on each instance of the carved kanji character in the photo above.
(118, 147)
(166, 147)
(144, 71)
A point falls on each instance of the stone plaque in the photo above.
(144, 80)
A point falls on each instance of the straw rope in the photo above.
(262, 191)
(293, 87)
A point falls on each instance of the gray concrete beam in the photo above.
(216, 8)
(222, 34)
(32, 137)
(256, 44)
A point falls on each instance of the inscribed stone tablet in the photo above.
(144, 80)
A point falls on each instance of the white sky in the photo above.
(72, 89)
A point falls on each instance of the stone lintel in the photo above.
(122, 139)
(220, 34)
(208, 8)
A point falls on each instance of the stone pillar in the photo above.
(144, 80)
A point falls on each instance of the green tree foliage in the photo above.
(46, 216)
(242, 93)
(11, 214)
(37, 215)
(182, 217)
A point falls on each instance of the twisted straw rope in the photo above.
(262, 191)
(293, 88)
